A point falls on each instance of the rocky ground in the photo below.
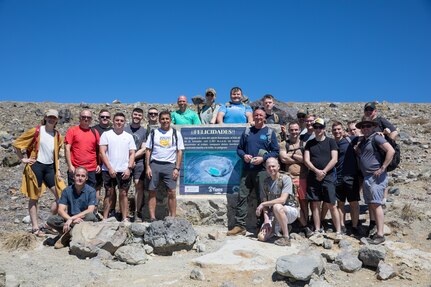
(408, 219)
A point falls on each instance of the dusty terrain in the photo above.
(408, 214)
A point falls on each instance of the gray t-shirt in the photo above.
(273, 189)
(206, 113)
(369, 160)
(139, 136)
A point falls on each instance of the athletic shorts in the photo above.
(44, 173)
(99, 181)
(301, 187)
(321, 190)
(374, 188)
(291, 213)
(162, 171)
(109, 182)
(138, 172)
(348, 188)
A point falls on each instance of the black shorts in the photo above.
(99, 181)
(348, 188)
(321, 190)
(91, 181)
(44, 173)
(110, 182)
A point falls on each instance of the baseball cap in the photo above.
(370, 105)
(52, 112)
(319, 122)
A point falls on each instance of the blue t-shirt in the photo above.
(78, 203)
(235, 113)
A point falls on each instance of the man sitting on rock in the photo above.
(279, 200)
(77, 204)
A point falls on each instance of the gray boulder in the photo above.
(300, 266)
(131, 254)
(327, 244)
(385, 271)
(197, 274)
(348, 262)
(371, 255)
(138, 229)
(89, 237)
(319, 283)
(172, 234)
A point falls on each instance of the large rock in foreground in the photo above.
(300, 266)
(169, 235)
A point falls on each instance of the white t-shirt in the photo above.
(118, 149)
(165, 149)
(45, 154)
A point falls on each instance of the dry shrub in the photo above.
(409, 213)
(19, 241)
(418, 121)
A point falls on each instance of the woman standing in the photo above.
(208, 113)
(42, 145)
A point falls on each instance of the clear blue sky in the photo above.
(96, 51)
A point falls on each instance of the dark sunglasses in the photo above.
(153, 114)
(86, 118)
(105, 117)
(300, 116)
(318, 127)
(366, 126)
(369, 109)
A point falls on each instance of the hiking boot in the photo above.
(282, 241)
(376, 239)
(63, 241)
(355, 231)
(237, 230)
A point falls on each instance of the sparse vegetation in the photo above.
(18, 241)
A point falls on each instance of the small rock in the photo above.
(344, 244)
(131, 254)
(300, 266)
(394, 191)
(385, 271)
(197, 274)
(200, 247)
(227, 284)
(138, 229)
(327, 244)
(348, 262)
(2, 278)
(116, 102)
(216, 235)
(117, 265)
(319, 283)
(148, 249)
(429, 236)
(104, 255)
(317, 239)
(371, 255)
(26, 219)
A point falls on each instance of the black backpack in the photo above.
(397, 156)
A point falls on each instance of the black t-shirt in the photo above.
(320, 152)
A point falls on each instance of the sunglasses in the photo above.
(209, 95)
(318, 127)
(300, 116)
(369, 109)
(153, 114)
(366, 126)
(105, 117)
(86, 118)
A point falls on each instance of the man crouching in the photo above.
(279, 200)
(77, 204)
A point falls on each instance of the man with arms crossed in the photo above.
(163, 159)
(320, 156)
(373, 168)
(77, 204)
(117, 151)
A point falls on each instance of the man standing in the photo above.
(153, 120)
(103, 126)
(184, 116)
(117, 151)
(77, 204)
(383, 125)
(373, 169)
(257, 144)
(320, 156)
(81, 148)
(163, 159)
(235, 111)
(139, 136)
(268, 104)
(347, 184)
(308, 133)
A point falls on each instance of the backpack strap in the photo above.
(93, 130)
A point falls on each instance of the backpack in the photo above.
(93, 130)
(396, 159)
(174, 135)
(301, 147)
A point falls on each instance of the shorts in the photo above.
(301, 187)
(44, 173)
(99, 181)
(91, 181)
(348, 188)
(321, 190)
(162, 171)
(291, 213)
(138, 172)
(374, 188)
(110, 182)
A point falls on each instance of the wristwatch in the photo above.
(177, 168)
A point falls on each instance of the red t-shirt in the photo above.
(83, 147)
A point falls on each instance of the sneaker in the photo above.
(377, 239)
(307, 231)
(63, 241)
(338, 237)
(283, 241)
(355, 231)
(237, 230)
(343, 229)
(372, 231)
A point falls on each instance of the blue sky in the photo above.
(153, 51)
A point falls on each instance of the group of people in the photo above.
(290, 177)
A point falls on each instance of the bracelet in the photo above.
(177, 168)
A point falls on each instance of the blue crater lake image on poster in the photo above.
(216, 167)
